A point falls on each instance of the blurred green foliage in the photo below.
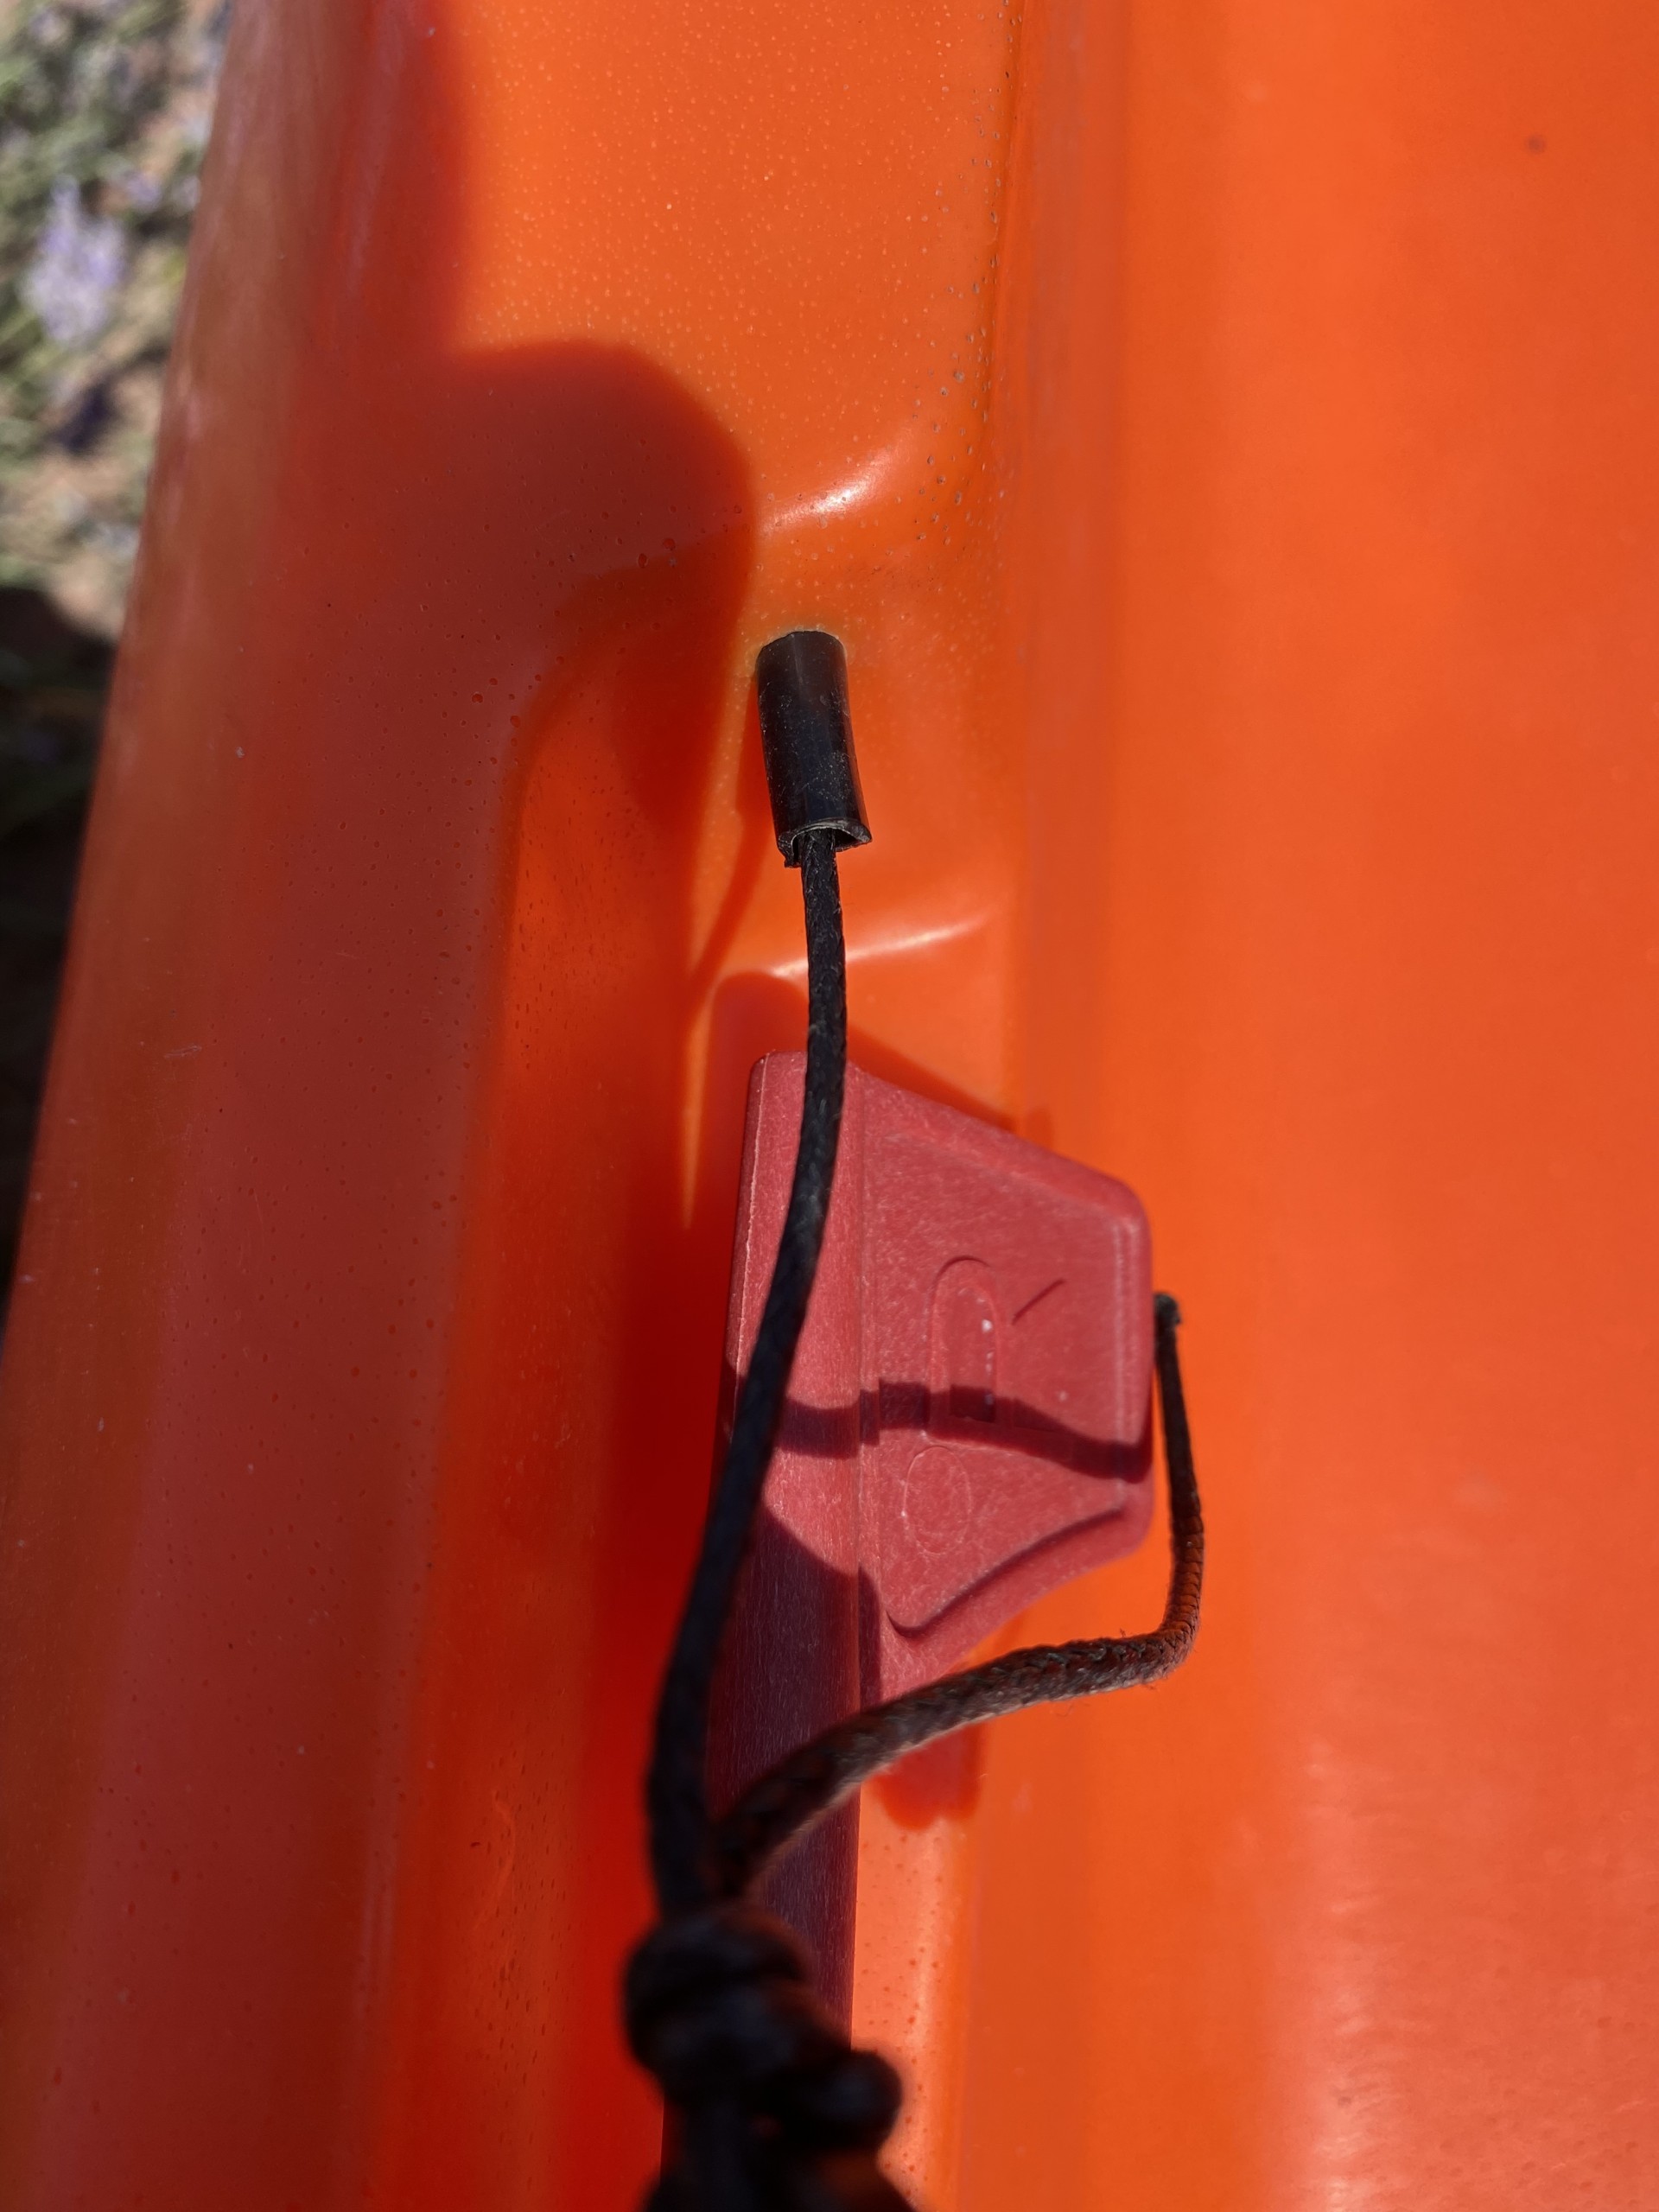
(104, 108)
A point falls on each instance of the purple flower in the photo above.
(79, 263)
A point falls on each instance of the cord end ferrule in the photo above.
(806, 734)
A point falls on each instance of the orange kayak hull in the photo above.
(1225, 446)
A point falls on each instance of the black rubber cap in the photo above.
(806, 734)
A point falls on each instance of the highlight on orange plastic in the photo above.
(1224, 442)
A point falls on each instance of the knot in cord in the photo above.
(778, 2113)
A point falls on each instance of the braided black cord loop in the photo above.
(777, 2112)
(812, 1781)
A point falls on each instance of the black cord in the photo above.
(777, 2112)
(676, 1791)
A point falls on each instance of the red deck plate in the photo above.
(969, 1416)
(967, 1427)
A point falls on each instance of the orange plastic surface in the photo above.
(1224, 438)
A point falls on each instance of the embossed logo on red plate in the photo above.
(969, 1416)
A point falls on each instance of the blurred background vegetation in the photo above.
(104, 109)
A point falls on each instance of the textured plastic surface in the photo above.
(1263, 759)
(997, 1320)
(967, 1427)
